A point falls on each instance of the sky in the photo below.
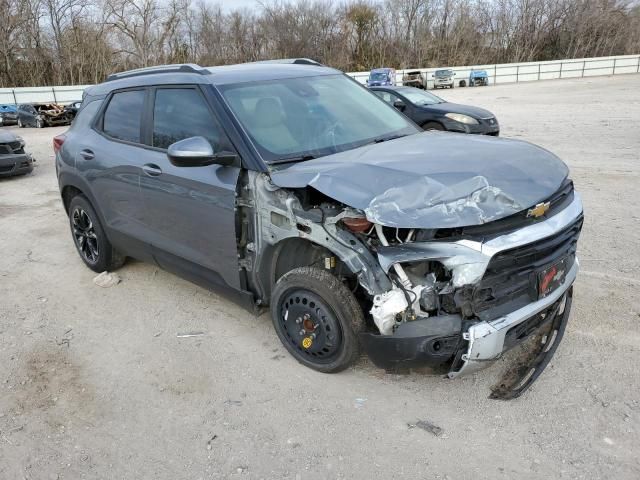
(229, 5)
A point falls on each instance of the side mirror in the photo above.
(433, 75)
(399, 104)
(197, 152)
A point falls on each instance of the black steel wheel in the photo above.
(92, 244)
(317, 318)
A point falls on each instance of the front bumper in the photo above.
(18, 164)
(462, 347)
(487, 339)
(8, 120)
(486, 126)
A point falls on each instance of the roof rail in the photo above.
(178, 67)
(295, 61)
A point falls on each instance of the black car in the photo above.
(73, 107)
(13, 159)
(433, 113)
(262, 180)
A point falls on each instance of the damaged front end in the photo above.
(473, 294)
(53, 114)
(455, 297)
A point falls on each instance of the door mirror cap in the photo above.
(399, 104)
(197, 152)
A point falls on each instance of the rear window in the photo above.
(122, 117)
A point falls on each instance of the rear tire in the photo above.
(89, 237)
(317, 319)
(39, 123)
(432, 126)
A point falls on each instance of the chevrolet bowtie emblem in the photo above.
(539, 210)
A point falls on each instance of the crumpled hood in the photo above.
(433, 179)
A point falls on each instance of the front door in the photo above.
(189, 211)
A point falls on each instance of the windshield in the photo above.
(295, 118)
(420, 97)
(443, 73)
(378, 77)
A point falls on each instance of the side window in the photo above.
(180, 113)
(387, 97)
(123, 116)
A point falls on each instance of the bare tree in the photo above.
(44, 42)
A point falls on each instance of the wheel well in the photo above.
(292, 253)
(68, 193)
(432, 121)
(295, 252)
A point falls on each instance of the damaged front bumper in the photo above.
(15, 164)
(487, 339)
(465, 345)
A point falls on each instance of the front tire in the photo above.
(20, 124)
(317, 319)
(39, 123)
(89, 237)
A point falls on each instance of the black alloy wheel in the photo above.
(89, 237)
(84, 235)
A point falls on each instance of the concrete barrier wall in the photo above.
(501, 73)
(66, 94)
(532, 71)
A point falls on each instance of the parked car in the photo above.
(414, 79)
(381, 76)
(41, 115)
(478, 78)
(8, 115)
(433, 113)
(443, 78)
(13, 158)
(263, 180)
(73, 107)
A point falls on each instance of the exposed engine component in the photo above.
(386, 308)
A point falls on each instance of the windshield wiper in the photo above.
(297, 158)
(385, 139)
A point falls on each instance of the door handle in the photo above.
(87, 154)
(151, 169)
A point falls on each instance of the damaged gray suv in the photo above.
(296, 189)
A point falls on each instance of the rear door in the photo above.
(189, 211)
(110, 158)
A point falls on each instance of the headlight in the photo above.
(459, 117)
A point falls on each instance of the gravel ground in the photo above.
(95, 383)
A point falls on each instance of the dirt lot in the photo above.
(94, 382)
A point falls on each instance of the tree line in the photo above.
(70, 42)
